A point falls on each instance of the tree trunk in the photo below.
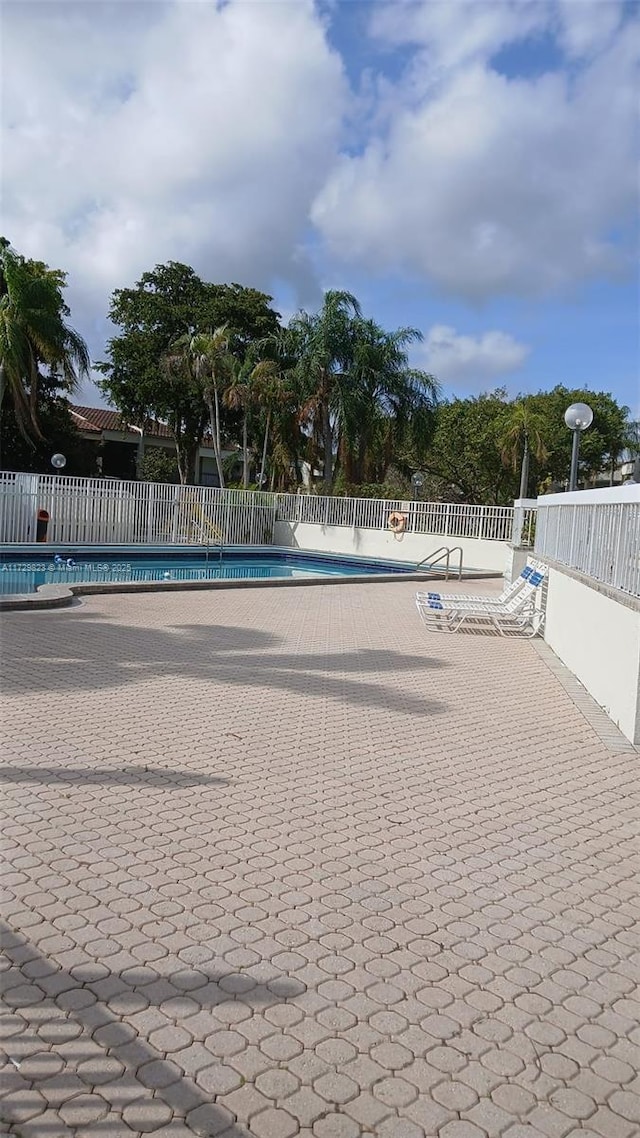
(140, 456)
(181, 459)
(245, 453)
(214, 423)
(327, 439)
(345, 462)
(192, 458)
(264, 451)
(218, 445)
(524, 470)
(360, 462)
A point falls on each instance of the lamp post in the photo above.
(417, 481)
(578, 418)
(58, 461)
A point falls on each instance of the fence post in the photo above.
(326, 511)
(573, 532)
(517, 523)
(519, 517)
(447, 520)
(150, 505)
(618, 567)
(32, 485)
(176, 512)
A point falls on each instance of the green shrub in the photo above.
(159, 465)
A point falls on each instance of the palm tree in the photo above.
(33, 332)
(205, 358)
(212, 365)
(323, 345)
(185, 412)
(522, 434)
(269, 383)
(381, 398)
(239, 396)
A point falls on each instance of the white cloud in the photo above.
(489, 184)
(453, 33)
(210, 133)
(471, 360)
(587, 25)
(137, 133)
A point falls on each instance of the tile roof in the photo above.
(98, 419)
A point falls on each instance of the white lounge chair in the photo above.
(521, 582)
(518, 616)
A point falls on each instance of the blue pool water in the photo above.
(24, 572)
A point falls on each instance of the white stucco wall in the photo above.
(598, 638)
(410, 547)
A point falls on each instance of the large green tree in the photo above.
(35, 338)
(479, 444)
(601, 446)
(381, 404)
(168, 303)
(360, 399)
(464, 462)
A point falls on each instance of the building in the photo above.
(121, 445)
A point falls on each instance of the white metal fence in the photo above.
(493, 523)
(602, 539)
(101, 510)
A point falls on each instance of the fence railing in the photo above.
(96, 510)
(442, 519)
(101, 510)
(599, 538)
(524, 522)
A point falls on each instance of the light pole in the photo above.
(417, 481)
(578, 417)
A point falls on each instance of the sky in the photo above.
(469, 168)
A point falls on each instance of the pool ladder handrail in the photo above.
(207, 544)
(443, 553)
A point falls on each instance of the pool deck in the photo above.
(279, 862)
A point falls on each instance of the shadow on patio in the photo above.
(107, 776)
(118, 1069)
(85, 652)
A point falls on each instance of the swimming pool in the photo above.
(25, 569)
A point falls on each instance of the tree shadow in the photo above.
(89, 653)
(108, 776)
(98, 1002)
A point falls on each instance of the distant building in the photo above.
(119, 444)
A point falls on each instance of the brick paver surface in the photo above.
(280, 862)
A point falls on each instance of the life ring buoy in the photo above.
(397, 522)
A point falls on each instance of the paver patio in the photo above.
(278, 862)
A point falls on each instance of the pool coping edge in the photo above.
(59, 596)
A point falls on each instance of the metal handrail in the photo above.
(207, 544)
(443, 553)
